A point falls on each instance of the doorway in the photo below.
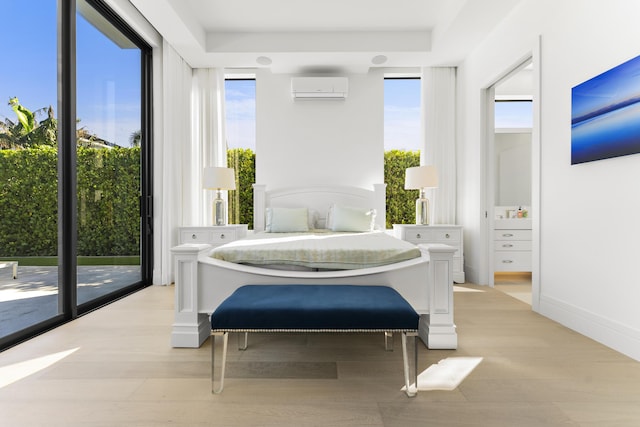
(512, 171)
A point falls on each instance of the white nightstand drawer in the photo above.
(512, 234)
(432, 235)
(512, 261)
(440, 233)
(512, 245)
(195, 236)
(214, 235)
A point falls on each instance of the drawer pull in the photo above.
(506, 261)
(193, 236)
(507, 235)
(507, 245)
(447, 235)
(222, 236)
(418, 236)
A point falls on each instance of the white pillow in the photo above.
(287, 220)
(344, 218)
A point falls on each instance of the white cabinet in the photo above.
(213, 235)
(448, 234)
(512, 245)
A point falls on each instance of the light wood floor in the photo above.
(115, 367)
(517, 285)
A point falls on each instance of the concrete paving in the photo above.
(33, 296)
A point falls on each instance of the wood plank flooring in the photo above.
(115, 367)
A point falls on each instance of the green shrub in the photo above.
(243, 160)
(109, 193)
(400, 202)
(108, 182)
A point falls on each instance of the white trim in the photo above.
(604, 330)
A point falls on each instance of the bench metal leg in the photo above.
(243, 340)
(410, 360)
(388, 341)
(219, 341)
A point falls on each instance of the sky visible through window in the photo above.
(29, 59)
(401, 114)
(29, 72)
(240, 110)
(513, 114)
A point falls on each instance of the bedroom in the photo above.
(564, 291)
(584, 272)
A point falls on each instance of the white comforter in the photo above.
(319, 249)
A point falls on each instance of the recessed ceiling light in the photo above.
(264, 60)
(379, 59)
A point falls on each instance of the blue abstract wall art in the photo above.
(605, 114)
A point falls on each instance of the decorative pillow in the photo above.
(344, 218)
(287, 220)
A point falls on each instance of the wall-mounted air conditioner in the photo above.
(319, 87)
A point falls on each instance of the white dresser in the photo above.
(448, 234)
(212, 235)
(512, 245)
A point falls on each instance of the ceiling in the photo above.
(297, 36)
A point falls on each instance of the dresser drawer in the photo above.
(512, 245)
(512, 234)
(512, 261)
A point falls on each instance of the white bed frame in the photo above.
(202, 282)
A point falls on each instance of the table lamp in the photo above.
(421, 178)
(219, 178)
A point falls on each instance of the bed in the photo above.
(203, 281)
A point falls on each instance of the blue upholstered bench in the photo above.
(313, 308)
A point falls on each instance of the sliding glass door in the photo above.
(108, 118)
(75, 163)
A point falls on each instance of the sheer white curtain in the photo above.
(439, 139)
(209, 135)
(171, 160)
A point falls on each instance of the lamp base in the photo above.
(219, 210)
(422, 210)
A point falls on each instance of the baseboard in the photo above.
(608, 332)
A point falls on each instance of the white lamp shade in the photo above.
(420, 177)
(217, 178)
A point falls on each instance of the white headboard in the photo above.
(318, 199)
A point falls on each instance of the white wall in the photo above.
(589, 228)
(319, 142)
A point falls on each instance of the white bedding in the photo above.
(319, 249)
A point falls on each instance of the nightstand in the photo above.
(448, 234)
(213, 235)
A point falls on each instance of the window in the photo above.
(240, 110)
(402, 114)
(513, 114)
(402, 142)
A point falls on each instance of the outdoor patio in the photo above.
(33, 296)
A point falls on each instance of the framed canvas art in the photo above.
(605, 114)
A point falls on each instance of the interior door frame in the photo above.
(488, 175)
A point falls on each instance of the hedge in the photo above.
(108, 201)
(400, 202)
(108, 198)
